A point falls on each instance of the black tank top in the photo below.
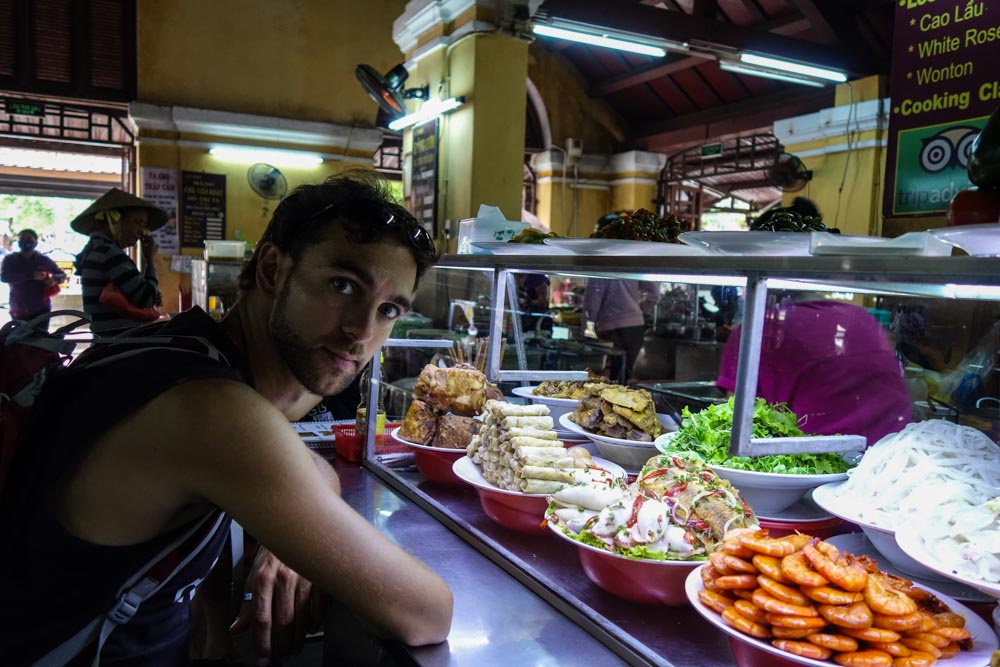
(53, 583)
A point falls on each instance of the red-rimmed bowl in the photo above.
(751, 652)
(641, 581)
(434, 463)
(523, 512)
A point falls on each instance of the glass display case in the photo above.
(938, 316)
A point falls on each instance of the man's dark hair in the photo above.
(357, 198)
(33, 233)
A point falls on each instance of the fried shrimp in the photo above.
(781, 632)
(899, 623)
(895, 649)
(856, 615)
(839, 643)
(890, 602)
(744, 624)
(751, 611)
(813, 623)
(782, 592)
(947, 619)
(759, 542)
(768, 602)
(920, 645)
(731, 581)
(797, 569)
(952, 634)
(727, 564)
(840, 572)
(915, 659)
(708, 576)
(770, 566)
(830, 595)
(931, 638)
(867, 658)
(731, 542)
(803, 649)
(714, 601)
(873, 635)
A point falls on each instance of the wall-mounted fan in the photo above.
(789, 173)
(267, 181)
(387, 91)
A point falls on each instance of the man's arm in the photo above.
(55, 272)
(256, 469)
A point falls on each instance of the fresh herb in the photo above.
(787, 220)
(707, 433)
(642, 225)
(531, 235)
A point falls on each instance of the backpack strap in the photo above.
(140, 587)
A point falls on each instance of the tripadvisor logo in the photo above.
(949, 148)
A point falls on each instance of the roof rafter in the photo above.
(644, 19)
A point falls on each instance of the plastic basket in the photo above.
(351, 447)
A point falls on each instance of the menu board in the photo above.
(159, 187)
(945, 84)
(423, 183)
(203, 208)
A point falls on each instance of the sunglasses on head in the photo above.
(365, 211)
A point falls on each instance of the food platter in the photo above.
(522, 512)
(883, 539)
(908, 539)
(435, 463)
(860, 545)
(984, 640)
(785, 244)
(557, 406)
(623, 247)
(975, 240)
(644, 581)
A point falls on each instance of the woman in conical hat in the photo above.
(118, 220)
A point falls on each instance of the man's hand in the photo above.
(149, 246)
(40, 275)
(282, 607)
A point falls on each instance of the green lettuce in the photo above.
(707, 432)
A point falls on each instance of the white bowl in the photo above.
(883, 539)
(769, 493)
(630, 454)
(557, 406)
(908, 539)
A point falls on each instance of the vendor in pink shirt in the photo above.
(834, 366)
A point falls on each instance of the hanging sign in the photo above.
(945, 84)
(159, 187)
(203, 208)
(423, 175)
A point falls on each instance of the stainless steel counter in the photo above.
(520, 599)
(497, 620)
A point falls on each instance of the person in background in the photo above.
(832, 363)
(533, 300)
(129, 456)
(116, 221)
(617, 309)
(30, 275)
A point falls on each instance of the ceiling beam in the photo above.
(674, 63)
(759, 112)
(840, 23)
(753, 10)
(821, 25)
(647, 20)
(643, 74)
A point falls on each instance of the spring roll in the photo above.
(546, 473)
(539, 422)
(539, 486)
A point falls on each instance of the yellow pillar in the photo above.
(844, 147)
(481, 144)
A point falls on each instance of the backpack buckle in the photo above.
(125, 608)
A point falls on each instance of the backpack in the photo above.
(29, 358)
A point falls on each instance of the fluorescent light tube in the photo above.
(269, 155)
(768, 74)
(794, 67)
(428, 110)
(598, 40)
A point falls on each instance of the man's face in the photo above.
(27, 242)
(335, 307)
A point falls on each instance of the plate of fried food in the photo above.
(621, 422)
(439, 423)
(516, 460)
(797, 600)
